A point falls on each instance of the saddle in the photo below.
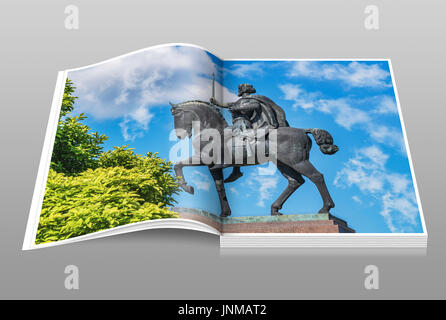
(247, 143)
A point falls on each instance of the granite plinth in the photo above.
(289, 223)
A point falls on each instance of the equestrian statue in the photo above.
(260, 133)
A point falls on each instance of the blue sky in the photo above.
(369, 178)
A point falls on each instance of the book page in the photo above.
(173, 136)
(367, 182)
(111, 144)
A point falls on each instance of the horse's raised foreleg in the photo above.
(308, 170)
(193, 161)
(217, 175)
(295, 180)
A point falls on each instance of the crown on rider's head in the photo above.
(245, 88)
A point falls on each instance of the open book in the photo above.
(173, 136)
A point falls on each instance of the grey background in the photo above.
(182, 264)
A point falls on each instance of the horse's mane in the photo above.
(212, 107)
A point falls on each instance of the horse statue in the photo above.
(289, 151)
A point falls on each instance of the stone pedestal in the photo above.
(289, 223)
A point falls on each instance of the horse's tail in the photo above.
(324, 140)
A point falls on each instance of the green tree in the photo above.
(120, 157)
(68, 99)
(76, 148)
(158, 187)
(103, 198)
(89, 190)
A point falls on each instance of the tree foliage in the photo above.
(76, 148)
(89, 190)
(156, 184)
(68, 99)
(121, 157)
(105, 198)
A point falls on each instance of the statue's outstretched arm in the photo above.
(223, 105)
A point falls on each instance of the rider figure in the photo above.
(248, 115)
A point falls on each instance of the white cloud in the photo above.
(398, 210)
(398, 182)
(375, 157)
(129, 86)
(361, 178)
(264, 185)
(357, 199)
(300, 98)
(387, 106)
(347, 115)
(354, 74)
(387, 135)
(291, 91)
(135, 123)
(368, 172)
(344, 114)
(267, 169)
(246, 70)
(201, 180)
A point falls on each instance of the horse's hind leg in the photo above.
(295, 180)
(308, 170)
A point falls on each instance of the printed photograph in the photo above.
(146, 136)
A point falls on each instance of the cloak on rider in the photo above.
(249, 113)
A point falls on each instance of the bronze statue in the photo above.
(256, 119)
(250, 113)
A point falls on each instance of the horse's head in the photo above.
(185, 114)
(182, 120)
